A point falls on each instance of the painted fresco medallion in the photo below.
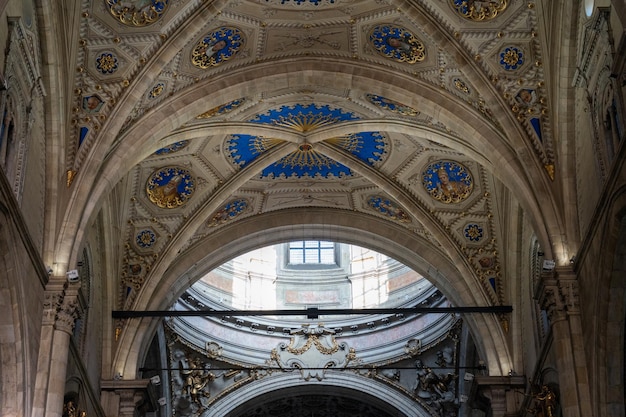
(447, 181)
(397, 43)
(170, 187)
(217, 47)
(479, 10)
(92, 103)
(137, 12)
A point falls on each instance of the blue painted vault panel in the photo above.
(369, 147)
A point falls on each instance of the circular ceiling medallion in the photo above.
(398, 44)
(447, 181)
(217, 47)
(511, 58)
(107, 63)
(473, 232)
(145, 238)
(170, 187)
(137, 12)
(479, 10)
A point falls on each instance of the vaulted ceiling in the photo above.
(202, 129)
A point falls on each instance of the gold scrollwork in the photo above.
(313, 340)
(479, 10)
(137, 12)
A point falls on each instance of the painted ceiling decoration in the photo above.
(398, 44)
(106, 63)
(137, 12)
(511, 58)
(217, 47)
(473, 232)
(448, 181)
(145, 238)
(134, 41)
(427, 168)
(170, 187)
(306, 161)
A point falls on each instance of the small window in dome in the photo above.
(311, 252)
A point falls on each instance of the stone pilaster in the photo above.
(53, 300)
(59, 316)
(64, 325)
(558, 296)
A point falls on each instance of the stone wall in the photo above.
(22, 280)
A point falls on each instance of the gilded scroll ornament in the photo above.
(137, 12)
(479, 10)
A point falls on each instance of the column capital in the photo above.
(67, 314)
(557, 293)
(53, 299)
(568, 286)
